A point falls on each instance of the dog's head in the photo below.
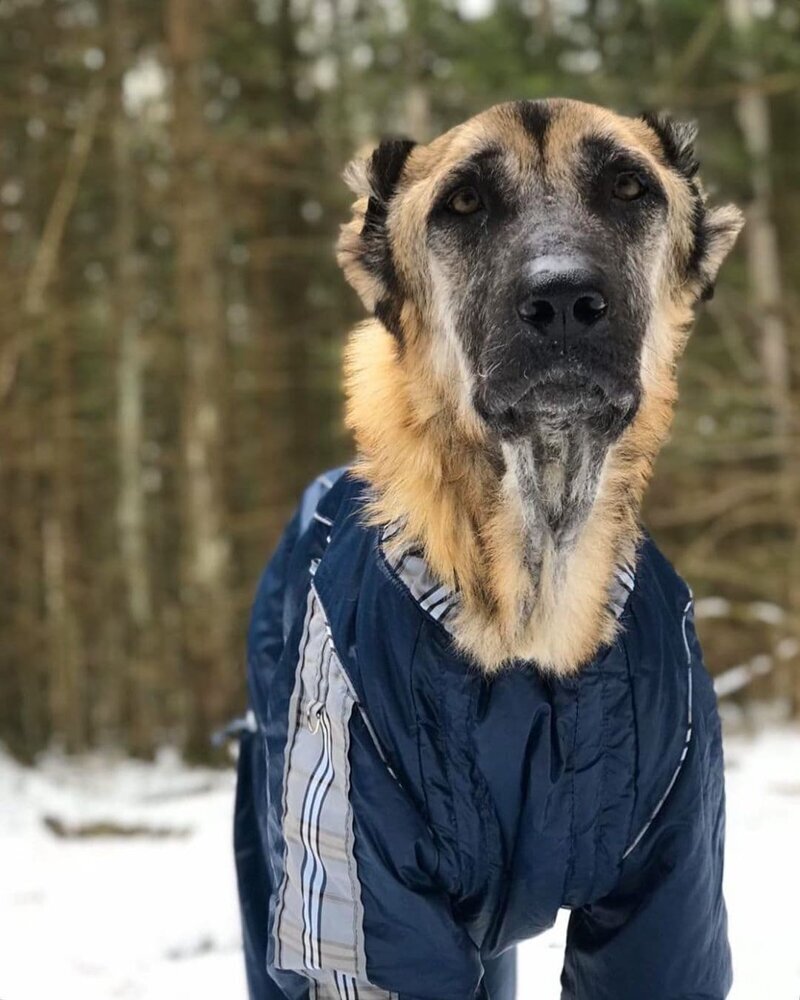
(543, 259)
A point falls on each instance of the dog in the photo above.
(477, 690)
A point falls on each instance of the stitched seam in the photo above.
(687, 741)
(572, 848)
(418, 739)
(479, 792)
(355, 885)
(603, 775)
(635, 720)
(447, 768)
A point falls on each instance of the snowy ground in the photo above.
(153, 916)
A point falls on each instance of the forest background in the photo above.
(171, 318)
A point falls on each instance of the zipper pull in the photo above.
(314, 715)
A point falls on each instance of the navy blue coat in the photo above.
(402, 821)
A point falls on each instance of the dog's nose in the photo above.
(562, 301)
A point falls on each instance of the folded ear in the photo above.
(677, 141)
(364, 250)
(715, 229)
(714, 239)
(377, 175)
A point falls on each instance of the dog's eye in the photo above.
(465, 201)
(628, 185)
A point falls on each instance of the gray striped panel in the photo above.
(341, 987)
(318, 926)
(431, 595)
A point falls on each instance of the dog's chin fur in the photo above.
(529, 532)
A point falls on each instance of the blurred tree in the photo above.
(198, 297)
(172, 316)
(140, 626)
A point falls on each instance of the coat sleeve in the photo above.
(253, 871)
(662, 934)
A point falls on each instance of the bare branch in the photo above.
(46, 257)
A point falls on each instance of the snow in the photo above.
(95, 918)
(152, 915)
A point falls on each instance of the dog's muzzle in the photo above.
(558, 360)
(561, 301)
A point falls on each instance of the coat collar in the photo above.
(441, 602)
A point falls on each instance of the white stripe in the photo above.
(322, 520)
(434, 598)
(686, 742)
(625, 577)
(447, 608)
(441, 609)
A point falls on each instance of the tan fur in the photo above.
(425, 453)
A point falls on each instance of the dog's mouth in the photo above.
(556, 398)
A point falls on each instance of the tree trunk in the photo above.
(68, 703)
(21, 676)
(68, 709)
(140, 689)
(205, 595)
(417, 122)
(767, 298)
(761, 238)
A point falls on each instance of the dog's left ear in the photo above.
(364, 251)
(715, 229)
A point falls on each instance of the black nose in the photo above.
(562, 302)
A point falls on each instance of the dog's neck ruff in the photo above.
(535, 563)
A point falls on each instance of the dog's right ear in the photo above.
(364, 251)
(376, 175)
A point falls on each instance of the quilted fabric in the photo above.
(403, 821)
